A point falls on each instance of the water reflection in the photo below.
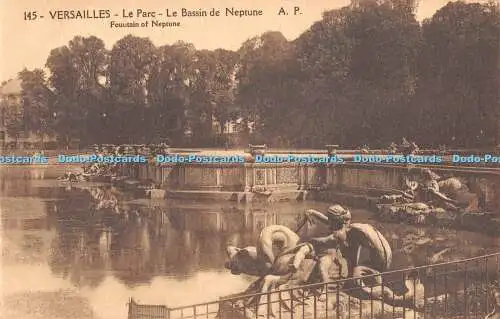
(98, 236)
(99, 231)
(135, 242)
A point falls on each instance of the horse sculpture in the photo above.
(278, 245)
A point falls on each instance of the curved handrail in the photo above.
(335, 282)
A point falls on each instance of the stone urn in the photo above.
(331, 149)
(257, 149)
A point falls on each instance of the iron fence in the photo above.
(457, 289)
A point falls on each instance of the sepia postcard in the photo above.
(249, 159)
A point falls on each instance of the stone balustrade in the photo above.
(296, 181)
(347, 183)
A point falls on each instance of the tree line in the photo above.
(369, 74)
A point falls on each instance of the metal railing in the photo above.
(458, 289)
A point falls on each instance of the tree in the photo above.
(356, 72)
(324, 55)
(407, 6)
(37, 102)
(456, 100)
(170, 89)
(132, 61)
(387, 42)
(341, 81)
(78, 72)
(225, 88)
(13, 119)
(214, 91)
(266, 67)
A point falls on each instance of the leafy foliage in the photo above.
(36, 102)
(364, 74)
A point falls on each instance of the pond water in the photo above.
(62, 257)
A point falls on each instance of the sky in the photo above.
(28, 43)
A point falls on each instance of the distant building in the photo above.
(236, 132)
(237, 126)
(11, 90)
(10, 98)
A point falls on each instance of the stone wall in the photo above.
(318, 180)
